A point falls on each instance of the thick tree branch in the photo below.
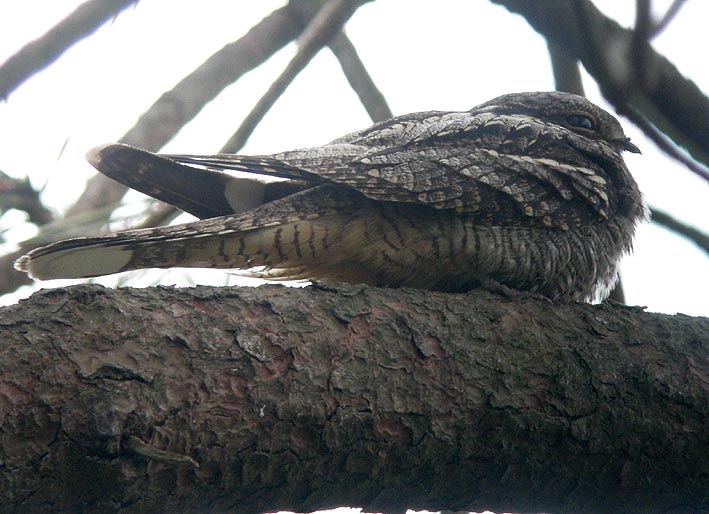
(255, 400)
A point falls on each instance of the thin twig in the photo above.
(694, 235)
(177, 107)
(372, 99)
(667, 18)
(329, 19)
(40, 53)
(150, 452)
(662, 142)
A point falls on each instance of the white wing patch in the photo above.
(244, 194)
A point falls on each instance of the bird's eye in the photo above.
(581, 121)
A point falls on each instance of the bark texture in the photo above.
(255, 400)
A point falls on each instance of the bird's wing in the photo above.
(459, 160)
(481, 163)
(493, 166)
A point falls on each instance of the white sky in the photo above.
(444, 55)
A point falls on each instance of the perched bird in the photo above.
(528, 191)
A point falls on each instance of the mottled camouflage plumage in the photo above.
(528, 190)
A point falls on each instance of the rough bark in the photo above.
(254, 400)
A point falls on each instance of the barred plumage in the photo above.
(528, 190)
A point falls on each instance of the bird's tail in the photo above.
(285, 234)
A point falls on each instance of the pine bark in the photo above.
(247, 400)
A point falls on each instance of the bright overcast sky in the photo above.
(443, 55)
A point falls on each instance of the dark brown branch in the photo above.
(326, 23)
(40, 53)
(639, 46)
(259, 400)
(671, 102)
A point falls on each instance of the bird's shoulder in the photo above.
(472, 127)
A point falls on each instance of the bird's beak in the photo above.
(625, 144)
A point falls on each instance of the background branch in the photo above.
(693, 234)
(19, 194)
(565, 67)
(40, 53)
(177, 107)
(326, 23)
(671, 102)
(372, 99)
(669, 15)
